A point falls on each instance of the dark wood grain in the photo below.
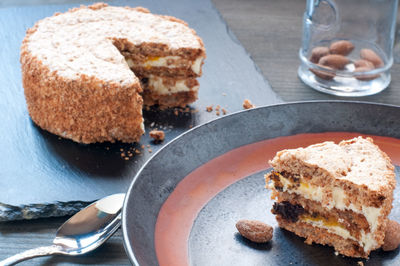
(271, 32)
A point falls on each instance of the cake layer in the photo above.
(173, 66)
(167, 85)
(354, 223)
(347, 247)
(293, 213)
(177, 99)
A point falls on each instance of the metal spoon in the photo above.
(83, 232)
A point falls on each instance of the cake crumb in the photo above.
(157, 135)
(150, 151)
(336, 253)
(360, 263)
(247, 104)
(126, 158)
(176, 112)
(223, 94)
(142, 146)
(209, 108)
(190, 126)
(224, 111)
(217, 108)
(217, 113)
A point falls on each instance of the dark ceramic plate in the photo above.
(182, 205)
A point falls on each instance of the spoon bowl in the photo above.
(82, 233)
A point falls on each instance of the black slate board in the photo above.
(43, 175)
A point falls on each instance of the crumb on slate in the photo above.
(247, 104)
(157, 135)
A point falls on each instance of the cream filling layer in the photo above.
(334, 229)
(175, 62)
(155, 84)
(196, 66)
(339, 198)
(367, 240)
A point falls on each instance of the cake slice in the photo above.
(334, 194)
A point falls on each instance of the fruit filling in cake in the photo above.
(334, 194)
(175, 65)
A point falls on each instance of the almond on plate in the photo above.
(392, 236)
(255, 231)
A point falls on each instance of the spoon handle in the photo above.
(31, 253)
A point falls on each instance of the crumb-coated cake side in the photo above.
(77, 70)
(335, 194)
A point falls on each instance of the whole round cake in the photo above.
(87, 72)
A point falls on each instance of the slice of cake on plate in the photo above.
(84, 71)
(334, 194)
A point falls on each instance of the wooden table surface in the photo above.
(271, 32)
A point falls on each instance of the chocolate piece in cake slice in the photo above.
(334, 194)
